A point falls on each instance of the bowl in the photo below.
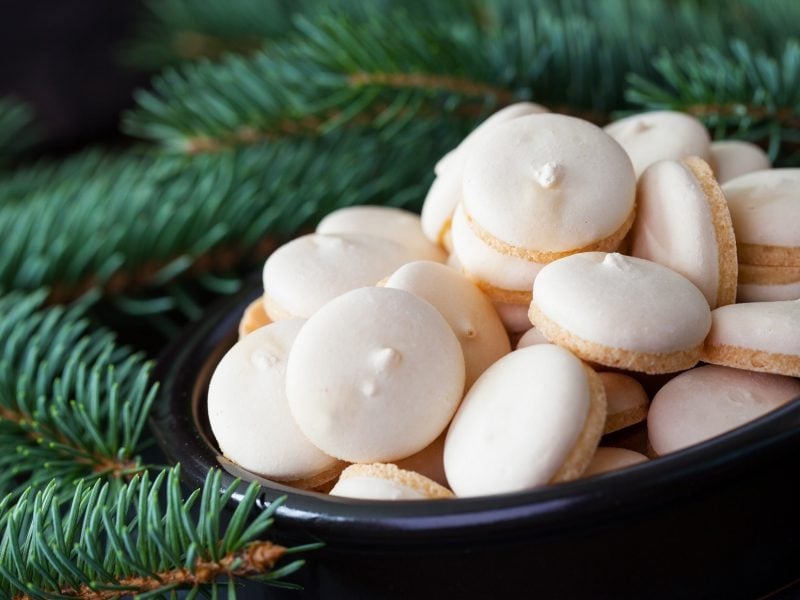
(719, 519)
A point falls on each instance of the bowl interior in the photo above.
(181, 426)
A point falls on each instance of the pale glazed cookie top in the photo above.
(767, 326)
(248, 411)
(485, 264)
(532, 337)
(375, 375)
(454, 160)
(465, 308)
(765, 207)
(623, 302)
(304, 274)
(437, 210)
(549, 183)
(386, 482)
(732, 158)
(683, 223)
(386, 222)
(611, 459)
(660, 135)
(707, 401)
(518, 424)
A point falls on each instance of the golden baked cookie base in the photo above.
(752, 360)
(652, 363)
(761, 275)
(607, 244)
(585, 446)
(768, 256)
(321, 482)
(390, 472)
(723, 230)
(624, 419)
(498, 294)
(254, 317)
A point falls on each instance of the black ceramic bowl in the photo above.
(718, 520)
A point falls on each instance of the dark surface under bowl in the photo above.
(719, 520)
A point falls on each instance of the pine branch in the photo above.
(173, 31)
(151, 222)
(73, 403)
(17, 132)
(739, 93)
(143, 540)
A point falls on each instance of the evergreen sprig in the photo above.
(17, 131)
(150, 220)
(144, 539)
(73, 403)
(740, 92)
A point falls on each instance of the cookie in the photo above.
(534, 417)
(249, 413)
(386, 482)
(732, 158)
(445, 192)
(303, 275)
(626, 399)
(466, 309)
(682, 222)
(768, 283)
(660, 135)
(394, 224)
(545, 186)
(621, 311)
(428, 462)
(375, 375)
(253, 318)
(531, 337)
(765, 208)
(705, 402)
(612, 459)
(760, 336)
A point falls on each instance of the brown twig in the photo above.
(257, 558)
(432, 82)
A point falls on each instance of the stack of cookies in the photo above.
(378, 363)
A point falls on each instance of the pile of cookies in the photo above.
(378, 363)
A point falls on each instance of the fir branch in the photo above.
(17, 131)
(137, 229)
(73, 404)
(142, 540)
(738, 93)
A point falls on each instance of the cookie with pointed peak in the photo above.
(249, 412)
(660, 135)
(620, 311)
(467, 310)
(306, 273)
(545, 186)
(732, 158)
(379, 481)
(375, 375)
(253, 318)
(534, 417)
(445, 193)
(387, 222)
(758, 336)
(683, 222)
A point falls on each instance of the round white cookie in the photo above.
(387, 222)
(705, 402)
(621, 311)
(732, 158)
(531, 337)
(548, 183)
(375, 375)
(514, 316)
(627, 401)
(534, 417)
(467, 310)
(386, 482)
(660, 135)
(249, 413)
(304, 274)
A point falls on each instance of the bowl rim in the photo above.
(561, 508)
